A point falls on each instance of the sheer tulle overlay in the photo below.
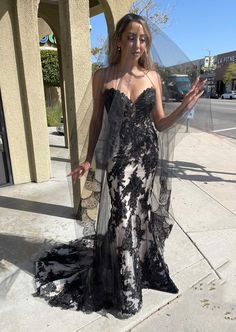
(122, 250)
(110, 270)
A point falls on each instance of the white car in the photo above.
(229, 95)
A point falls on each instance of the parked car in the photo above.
(60, 127)
(229, 95)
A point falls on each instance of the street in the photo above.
(224, 117)
(223, 113)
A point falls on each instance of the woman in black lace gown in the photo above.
(110, 270)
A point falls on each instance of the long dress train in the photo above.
(109, 271)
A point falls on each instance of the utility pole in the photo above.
(209, 51)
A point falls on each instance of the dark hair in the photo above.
(114, 55)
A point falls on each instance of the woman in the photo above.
(128, 255)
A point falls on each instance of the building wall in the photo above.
(44, 28)
(12, 99)
(223, 61)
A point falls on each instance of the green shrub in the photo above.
(54, 114)
(50, 68)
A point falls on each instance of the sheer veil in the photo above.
(177, 73)
(119, 251)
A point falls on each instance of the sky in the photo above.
(198, 27)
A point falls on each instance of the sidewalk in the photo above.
(200, 251)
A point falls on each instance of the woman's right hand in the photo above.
(193, 95)
(79, 171)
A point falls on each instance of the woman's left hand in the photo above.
(191, 98)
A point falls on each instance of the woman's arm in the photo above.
(95, 124)
(97, 115)
(162, 121)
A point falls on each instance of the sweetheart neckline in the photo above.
(125, 95)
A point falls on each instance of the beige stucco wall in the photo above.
(114, 10)
(22, 91)
(43, 28)
(10, 84)
(34, 107)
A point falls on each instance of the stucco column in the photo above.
(32, 90)
(113, 11)
(76, 67)
(63, 99)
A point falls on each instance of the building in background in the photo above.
(212, 68)
(223, 62)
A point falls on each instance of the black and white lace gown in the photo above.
(109, 271)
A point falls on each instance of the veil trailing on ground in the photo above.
(177, 74)
(125, 209)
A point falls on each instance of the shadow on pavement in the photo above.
(37, 207)
(181, 170)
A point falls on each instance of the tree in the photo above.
(150, 10)
(230, 73)
(98, 53)
(95, 51)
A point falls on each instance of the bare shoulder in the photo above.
(154, 76)
(99, 79)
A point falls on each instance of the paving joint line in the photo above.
(195, 184)
(195, 245)
(155, 311)
(213, 198)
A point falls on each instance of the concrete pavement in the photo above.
(200, 251)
